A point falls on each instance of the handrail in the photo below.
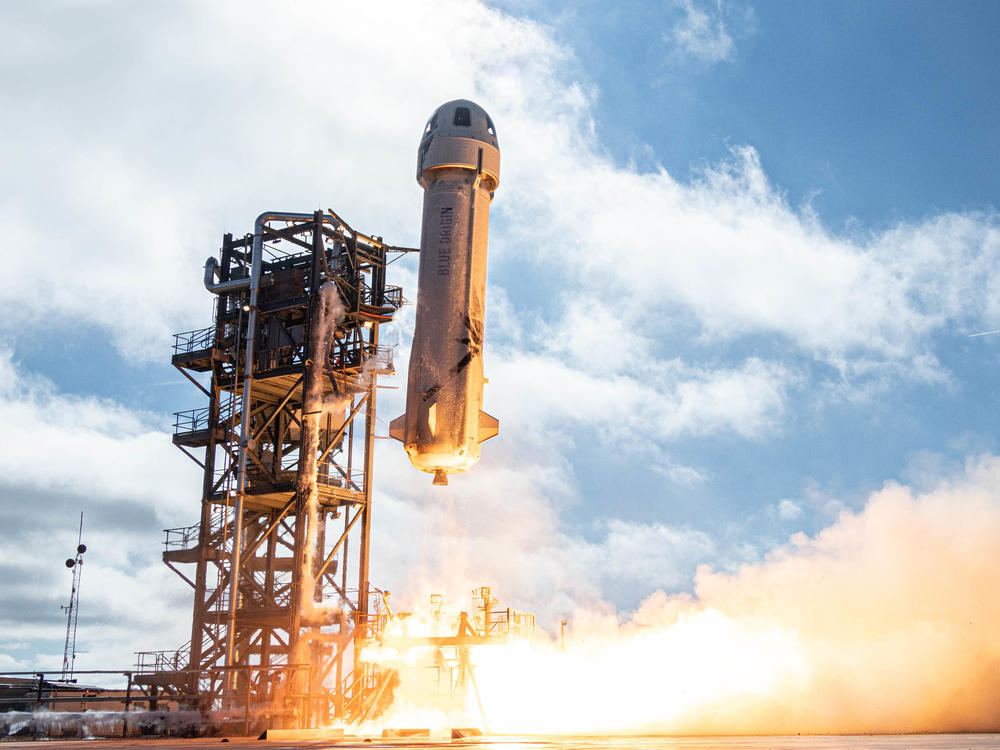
(195, 420)
(182, 537)
(192, 341)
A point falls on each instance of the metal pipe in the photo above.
(212, 265)
(211, 269)
(256, 262)
(253, 283)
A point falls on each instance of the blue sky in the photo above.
(736, 254)
(870, 114)
(872, 111)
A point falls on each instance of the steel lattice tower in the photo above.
(269, 630)
(72, 609)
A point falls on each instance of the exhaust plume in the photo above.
(886, 621)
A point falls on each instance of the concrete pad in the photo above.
(400, 733)
(294, 735)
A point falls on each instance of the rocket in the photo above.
(458, 166)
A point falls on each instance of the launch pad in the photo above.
(284, 612)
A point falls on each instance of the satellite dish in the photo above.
(70, 562)
(81, 548)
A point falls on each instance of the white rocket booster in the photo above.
(458, 165)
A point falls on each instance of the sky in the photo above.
(736, 258)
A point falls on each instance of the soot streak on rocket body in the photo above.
(474, 341)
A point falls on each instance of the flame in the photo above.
(638, 679)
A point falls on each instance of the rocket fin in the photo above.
(397, 428)
(488, 426)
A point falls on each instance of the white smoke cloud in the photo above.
(883, 622)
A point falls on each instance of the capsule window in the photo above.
(431, 123)
(489, 126)
(463, 118)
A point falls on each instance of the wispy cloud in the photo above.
(702, 32)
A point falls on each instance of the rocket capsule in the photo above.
(458, 166)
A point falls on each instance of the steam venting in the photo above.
(328, 314)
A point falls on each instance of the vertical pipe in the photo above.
(366, 519)
(205, 526)
(128, 702)
(268, 633)
(343, 553)
(234, 575)
(326, 314)
(246, 705)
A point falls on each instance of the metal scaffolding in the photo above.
(279, 560)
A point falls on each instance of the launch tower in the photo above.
(278, 562)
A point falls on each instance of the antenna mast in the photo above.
(73, 609)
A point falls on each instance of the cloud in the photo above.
(88, 447)
(63, 453)
(663, 464)
(129, 601)
(660, 404)
(683, 308)
(724, 258)
(789, 510)
(645, 555)
(148, 164)
(701, 34)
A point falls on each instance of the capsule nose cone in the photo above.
(440, 478)
(461, 119)
(460, 134)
